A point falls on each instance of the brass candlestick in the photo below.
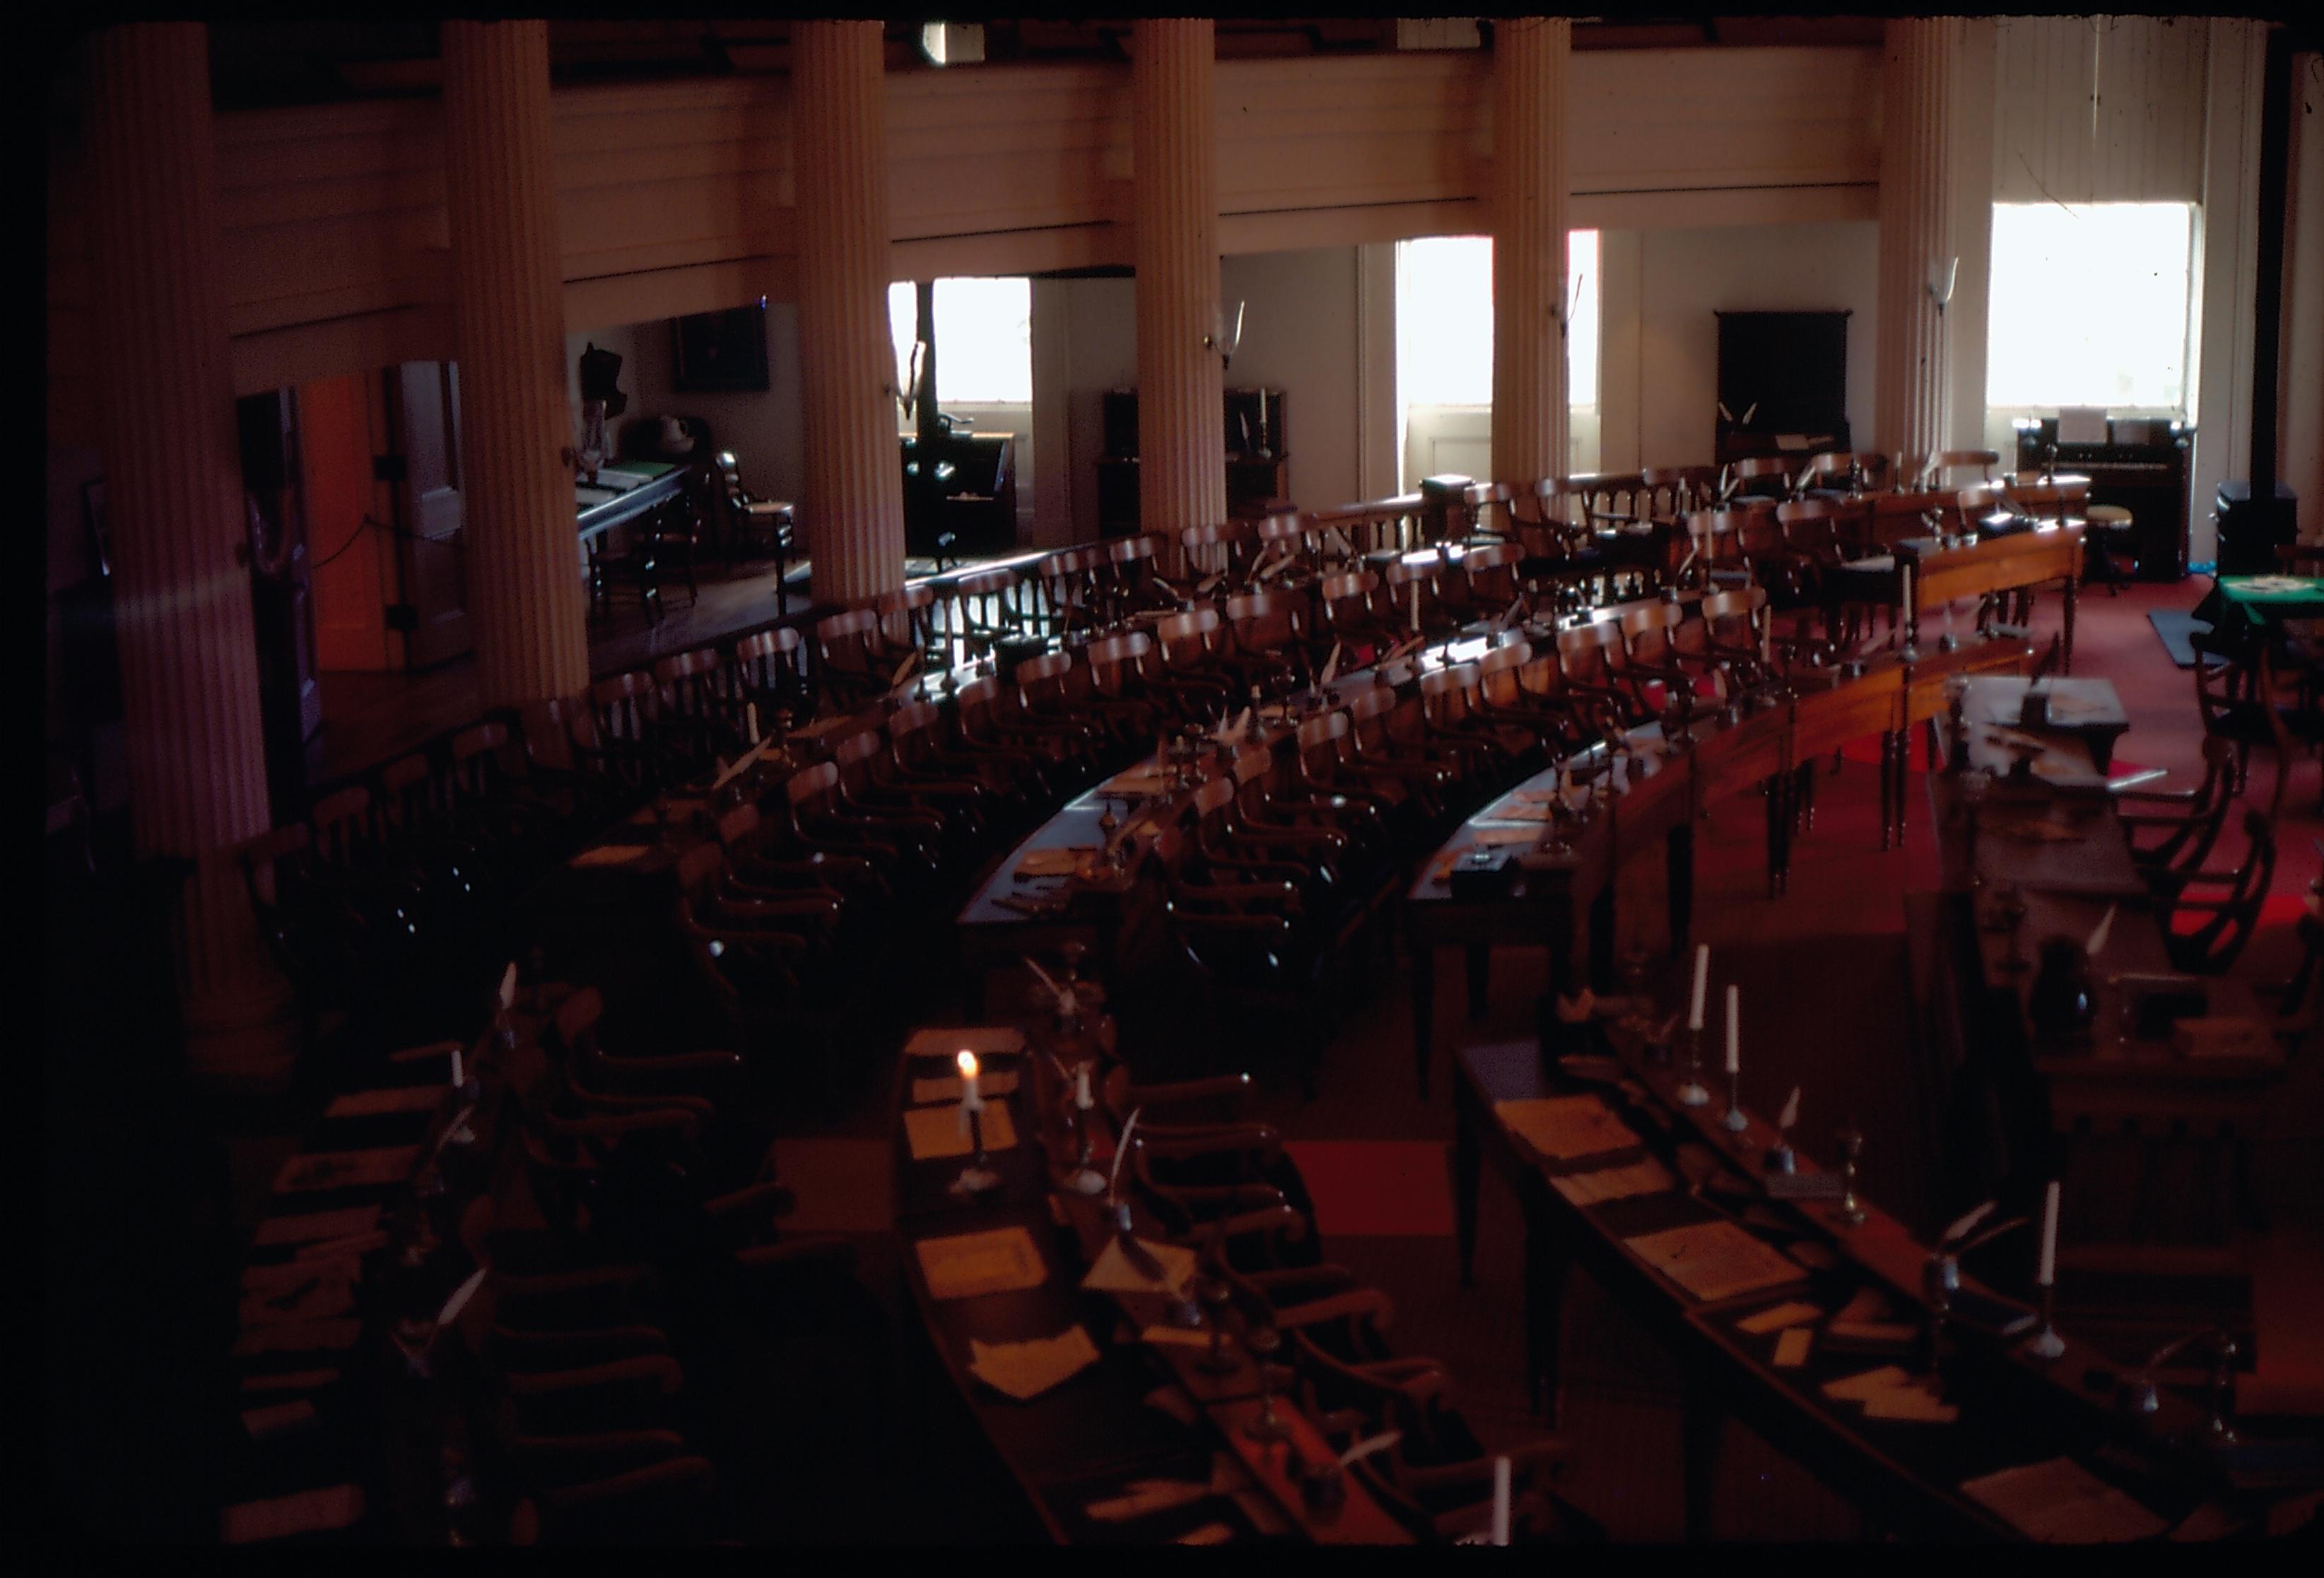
(1851, 1210)
(1691, 1093)
(2046, 1344)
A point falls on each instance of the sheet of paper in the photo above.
(1055, 862)
(1176, 1336)
(345, 1169)
(609, 855)
(948, 1041)
(972, 1263)
(1141, 1496)
(1882, 1334)
(1917, 1401)
(1210, 1534)
(1792, 1347)
(308, 1512)
(1563, 1128)
(1776, 1319)
(1855, 1388)
(1113, 1273)
(310, 1225)
(1714, 1259)
(1523, 811)
(289, 1380)
(2062, 1502)
(1497, 837)
(379, 1103)
(279, 1419)
(1027, 1370)
(938, 1132)
(1644, 1176)
(946, 1087)
(1869, 1304)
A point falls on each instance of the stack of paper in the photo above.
(1775, 1320)
(2061, 1501)
(1647, 1177)
(972, 1263)
(948, 1041)
(609, 855)
(1563, 1128)
(1713, 1259)
(937, 1132)
(1027, 1370)
(1889, 1393)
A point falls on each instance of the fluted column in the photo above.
(1182, 463)
(173, 501)
(525, 595)
(1530, 193)
(1916, 233)
(852, 496)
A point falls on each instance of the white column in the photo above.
(524, 574)
(1910, 404)
(1531, 189)
(1182, 474)
(174, 486)
(852, 493)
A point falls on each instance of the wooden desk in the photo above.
(1657, 794)
(2012, 1409)
(637, 487)
(1086, 1438)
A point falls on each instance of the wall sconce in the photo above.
(1941, 275)
(1225, 337)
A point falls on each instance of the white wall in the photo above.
(1684, 277)
(2301, 459)
(1299, 335)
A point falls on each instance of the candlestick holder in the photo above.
(2046, 1344)
(1264, 1341)
(1084, 1179)
(1216, 1296)
(1691, 1093)
(1851, 1210)
(1780, 1157)
(1734, 1121)
(978, 1175)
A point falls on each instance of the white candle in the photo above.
(1501, 1500)
(1702, 984)
(2048, 1274)
(456, 1067)
(1734, 1029)
(971, 1098)
(751, 720)
(1081, 1088)
(1416, 607)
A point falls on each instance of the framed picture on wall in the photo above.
(721, 352)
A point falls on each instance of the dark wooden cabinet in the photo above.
(1782, 375)
(975, 496)
(1259, 472)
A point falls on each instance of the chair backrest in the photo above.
(1947, 461)
(844, 640)
(811, 785)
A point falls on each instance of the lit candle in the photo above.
(972, 1100)
(1082, 1101)
(1734, 1029)
(2047, 1276)
(1702, 984)
(1501, 1500)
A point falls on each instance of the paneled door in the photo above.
(423, 463)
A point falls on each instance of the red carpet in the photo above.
(1377, 1188)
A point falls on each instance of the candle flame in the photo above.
(966, 1063)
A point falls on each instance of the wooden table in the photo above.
(636, 487)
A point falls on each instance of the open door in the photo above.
(423, 466)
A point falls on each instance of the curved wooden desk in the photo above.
(1657, 793)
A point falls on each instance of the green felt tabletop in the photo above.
(649, 469)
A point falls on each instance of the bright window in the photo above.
(984, 339)
(1445, 320)
(2089, 306)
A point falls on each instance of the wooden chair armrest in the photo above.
(1369, 1303)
